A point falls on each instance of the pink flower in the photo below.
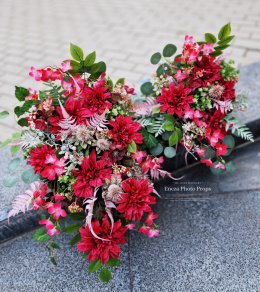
(200, 151)
(53, 231)
(207, 161)
(206, 48)
(37, 74)
(220, 165)
(57, 197)
(66, 66)
(57, 211)
(198, 114)
(216, 136)
(147, 164)
(67, 86)
(179, 75)
(49, 172)
(51, 159)
(143, 229)
(49, 224)
(138, 156)
(189, 114)
(189, 41)
(130, 226)
(221, 149)
(153, 232)
(150, 218)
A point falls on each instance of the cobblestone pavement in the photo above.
(123, 33)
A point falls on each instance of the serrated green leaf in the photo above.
(76, 52)
(10, 181)
(224, 31)
(71, 228)
(169, 50)
(216, 53)
(14, 149)
(149, 140)
(76, 239)
(94, 68)
(78, 216)
(169, 126)
(173, 139)
(229, 141)
(21, 93)
(169, 152)
(90, 59)
(5, 143)
(41, 235)
(14, 164)
(113, 262)
(156, 110)
(54, 245)
(4, 114)
(221, 48)
(169, 118)
(155, 59)
(131, 147)
(147, 88)
(23, 122)
(16, 136)
(28, 176)
(18, 111)
(210, 38)
(105, 275)
(231, 166)
(94, 266)
(53, 261)
(157, 150)
(226, 40)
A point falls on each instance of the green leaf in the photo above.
(221, 48)
(21, 93)
(169, 126)
(156, 110)
(209, 153)
(229, 150)
(43, 216)
(41, 235)
(94, 266)
(54, 245)
(76, 52)
(23, 122)
(166, 135)
(90, 59)
(210, 38)
(231, 166)
(121, 81)
(105, 275)
(14, 149)
(149, 140)
(110, 83)
(10, 181)
(173, 138)
(216, 53)
(102, 68)
(4, 114)
(53, 261)
(155, 59)
(169, 152)
(157, 150)
(162, 71)
(224, 31)
(179, 132)
(94, 68)
(78, 216)
(76, 239)
(169, 118)
(169, 50)
(217, 171)
(225, 41)
(5, 143)
(85, 254)
(16, 136)
(113, 262)
(147, 88)
(28, 176)
(18, 111)
(229, 141)
(71, 228)
(14, 164)
(131, 147)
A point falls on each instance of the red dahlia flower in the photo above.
(136, 199)
(175, 100)
(38, 157)
(124, 131)
(92, 174)
(102, 248)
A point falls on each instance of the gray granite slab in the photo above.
(205, 244)
(26, 267)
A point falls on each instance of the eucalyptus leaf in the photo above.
(14, 164)
(169, 50)
(231, 166)
(28, 176)
(157, 150)
(10, 181)
(169, 152)
(155, 59)
(147, 88)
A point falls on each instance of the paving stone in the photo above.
(205, 244)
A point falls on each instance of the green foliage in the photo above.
(156, 126)
(78, 216)
(54, 245)
(105, 275)
(227, 70)
(226, 40)
(113, 262)
(41, 235)
(14, 149)
(209, 153)
(217, 171)
(121, 81)
(169, 50)
(23, 122)
(14, 164)
(173, 138)
(21, 93)
(131, 147)
(166, 135)
(169, 118)
(210, 38)
(10, 181)
(5, 143)
(157, 150)
(169, 152)
(156, 110)
(224, 31)
(147, 88)
(53, 261)
(229, 141)
(16, 136)
(90, 59)
(28, 176)
(94, 266)
(71, 228)
(76, 52)
(4, 114)
(169, 126)
(76, 239)
(231, 166)
(162, 71)
(155, 59)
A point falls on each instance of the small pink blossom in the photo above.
(143, 229)
(220, 165)
(200, 151)
(66, 66)
(198, 114)
(153, 232)
(189, 114)
(51, 159)
(206, 48)
(57, 211)
(67, 86)
(189, 41)
(49, 224)
(130, 226)
(207, 161)
(37, 74)
(49, 172)
(221, 149)
(179, 75)
(150, 218)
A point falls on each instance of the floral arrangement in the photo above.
(82, 144)
(192, 101)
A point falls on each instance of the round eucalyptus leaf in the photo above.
(28, 176)
(10, 181)
(166, 135)
(14, 165)
(231, 166)
(229, 141)
(147, 88)
(157, 150)
(169, 152)
(229, 150)
(169, 50)
(217, 171)
(155, 59)
(209, 153)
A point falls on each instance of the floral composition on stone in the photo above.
(191, 100)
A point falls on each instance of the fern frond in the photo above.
(67, 124)
(145, 108)
(29, 139)
(158, 126)
(98, 122)
(144, 122)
